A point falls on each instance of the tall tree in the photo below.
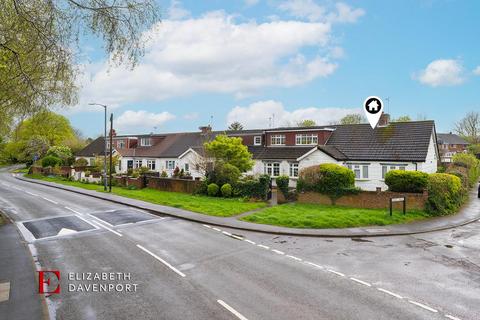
(230, 150)
(469, 127)
(306, 123)
(235, 126)
(353, 118)
(39, 46)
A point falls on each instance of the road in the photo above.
(185, 270)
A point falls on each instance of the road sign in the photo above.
(399, 199)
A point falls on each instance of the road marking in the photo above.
(74, 211)
(4, 291)
(390, 293)
(32, 194)
(361, 282)
(100, 220)
(336, 272)
(314, 264)
(54, 202)
(422, 306)
(249, 241)
(236, 237)
(226, 233)
(451, 317)
(104, 226)
(262, 246)
(216, 229)
(235, 312)
(293, 257)
(277, 251)
(206, 226)
(162, 261)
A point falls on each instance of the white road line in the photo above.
(90, 223)
(54, 202)
(422, 306)
(162, 261)
(451, 317)
(4, 291)
(226, 233)
(361, 282)
(390, 293)
(74, 211)
(314, 264)
(293, 257)
(336, 272)
(206, 226)
(216, 229)
(104, 226)
(32, 194)
(277, 251)
(249, 241)
(100, 220)
(236, 237)
(262, 246)
(235, 312)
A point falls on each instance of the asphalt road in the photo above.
(185, 270)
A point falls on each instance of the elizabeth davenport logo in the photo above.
(120, 282)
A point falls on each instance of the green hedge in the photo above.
(471, 163)
(282, 184)
(445, 193)
(212, 189)
(406, 181)
(226, 190)
(251, 187)
(51, 161)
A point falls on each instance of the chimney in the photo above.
(384, 120)
(205, 129)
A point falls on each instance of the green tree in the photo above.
(402, 119)
(306, 123)
(230, 150)
(35, 148)
(353, 118)
(235, 126)
(62, 152)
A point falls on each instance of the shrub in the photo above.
(406, 181)
(282, 184)
(251, 187)
(143, 170)
(330, 179)
(81, 162)
(224, 173)
(50, 161)
(226, 190)
(445, 193)
(64, 153)
(129, 172)
(212, 189)
(470, 162)
(164, 174)
(461, 172)
(176, 172)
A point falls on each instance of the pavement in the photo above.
(187, 270)
(469, 213)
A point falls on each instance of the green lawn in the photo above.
(320, 216)
(22, 170)
(202, 204)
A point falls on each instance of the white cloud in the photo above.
(139, 121)
(258, 114)
(216, 54)
(312, 11)
(176, 11)
(442, 72)
(476, 71)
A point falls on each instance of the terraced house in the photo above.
(369, 153)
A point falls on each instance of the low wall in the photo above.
(368, 199)
(175, 185)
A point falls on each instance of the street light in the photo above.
(105, 150)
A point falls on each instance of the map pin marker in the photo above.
(373, 107)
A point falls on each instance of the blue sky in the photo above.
(247, 60)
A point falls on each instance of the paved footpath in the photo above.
(468, 214)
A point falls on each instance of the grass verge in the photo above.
(315, 216)
(219, 207)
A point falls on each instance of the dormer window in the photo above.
(278, 140)
(257, 140)
(121, 144)
(145, 142)
(306, 139)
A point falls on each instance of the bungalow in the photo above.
(369, 153)
(449, 145)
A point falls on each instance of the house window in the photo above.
(360, 171)
(257, 140)
(137, 163)
(170, 164)
(121, 144)
(151, 164)
(145, 142)
(278, 140)
(293, 169)
(272, 169)
(386, 168)
(306, 139)
(187, 167)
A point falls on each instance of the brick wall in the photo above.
(368, 199)
(175, 185)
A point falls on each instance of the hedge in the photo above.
(51, 161)
(226, 190)
(471, 163)
(445, 193)
(406, 181)
(251, 187)
(212, 189)
(282, 184)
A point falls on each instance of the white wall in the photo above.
(431, 161)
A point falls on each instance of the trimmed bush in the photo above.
(224, 173)
(212, 189)
(461, 172)
(406, 181)
(51, 161)
(251, 187)
(80, 162)
(330, 179)
(282, 184)
(445, 193)
(226, 190)
(472, 164)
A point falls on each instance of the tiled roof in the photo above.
(96, 147)
(450, 138)
(272, 153)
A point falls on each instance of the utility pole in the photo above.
(105, 149)
(111, 151)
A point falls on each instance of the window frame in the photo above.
(255, 143)
(306, 139)
(361, 168)
(269, 168)
(151, 164)
(136, 162)
(293, 169)
(144, 140)
(167, 166)
(277, 139)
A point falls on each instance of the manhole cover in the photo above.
(56, 226)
